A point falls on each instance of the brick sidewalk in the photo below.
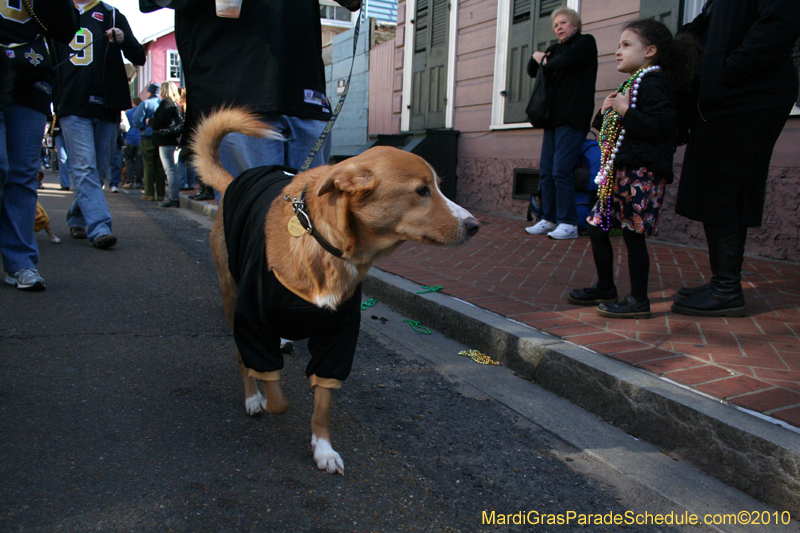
(752, 362)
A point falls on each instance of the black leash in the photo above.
(329, 126)
(299, 205)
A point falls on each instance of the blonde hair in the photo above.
(169, 91)
(571, 14)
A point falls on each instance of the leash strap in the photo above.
(329, 126)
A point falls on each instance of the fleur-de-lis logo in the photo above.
(34, 57)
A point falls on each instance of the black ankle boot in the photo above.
(724, 295)
(691, 291)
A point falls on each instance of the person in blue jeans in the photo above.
(570, 70)
(63, 157)
(115, 169)
(130, 152)
(92, 88)
(23, 117)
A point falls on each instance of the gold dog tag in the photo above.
(295, 228)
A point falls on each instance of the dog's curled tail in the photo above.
(209, 134)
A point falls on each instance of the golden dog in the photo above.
(365, 207)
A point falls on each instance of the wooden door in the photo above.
(429, 66)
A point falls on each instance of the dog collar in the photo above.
(299, 207)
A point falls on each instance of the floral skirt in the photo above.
(635, 202)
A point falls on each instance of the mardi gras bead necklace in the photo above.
(611, 135)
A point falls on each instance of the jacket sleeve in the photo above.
(597, 123)
(130, 46)
(60, 17)
(148, 6)
(583, 51)
(138, 117)
(766, 42)
(533, 67)
(653, 118)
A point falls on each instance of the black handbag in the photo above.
(538, 110)
(30, 59)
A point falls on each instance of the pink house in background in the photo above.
(163, 62)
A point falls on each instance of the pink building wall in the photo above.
(155, 69)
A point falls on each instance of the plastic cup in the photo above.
(229, 8)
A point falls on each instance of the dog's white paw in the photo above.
(255, 404)
(326, 457)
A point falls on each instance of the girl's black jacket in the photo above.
(650, 128)
(167, 114)
(570, 74)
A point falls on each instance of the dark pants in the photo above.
(154, 177)
(133, 170)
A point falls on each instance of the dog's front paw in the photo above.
(255, 404)
(326, 457)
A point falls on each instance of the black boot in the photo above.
(691, 291)
(724, 296)
(206, 193)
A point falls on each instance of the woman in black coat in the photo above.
(167, 124)
(748, 85)
(570, 71)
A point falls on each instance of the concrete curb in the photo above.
(203, 208)
(744, 451)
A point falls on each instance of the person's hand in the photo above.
(115, 35)
(539, 57)
(620, 103)
(607, 103)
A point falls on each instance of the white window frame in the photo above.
(692, 8)
(170, 55)
(147, 72)
(500, 63)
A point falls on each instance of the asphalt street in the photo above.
(121, 409)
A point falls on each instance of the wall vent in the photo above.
(526, 183)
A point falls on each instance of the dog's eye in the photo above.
(424, 192)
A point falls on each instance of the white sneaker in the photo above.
(541, 227)
(564, 231)
(27, 279)
(114, 188)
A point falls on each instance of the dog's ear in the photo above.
(347, 177)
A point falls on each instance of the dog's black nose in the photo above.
(472, 225)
